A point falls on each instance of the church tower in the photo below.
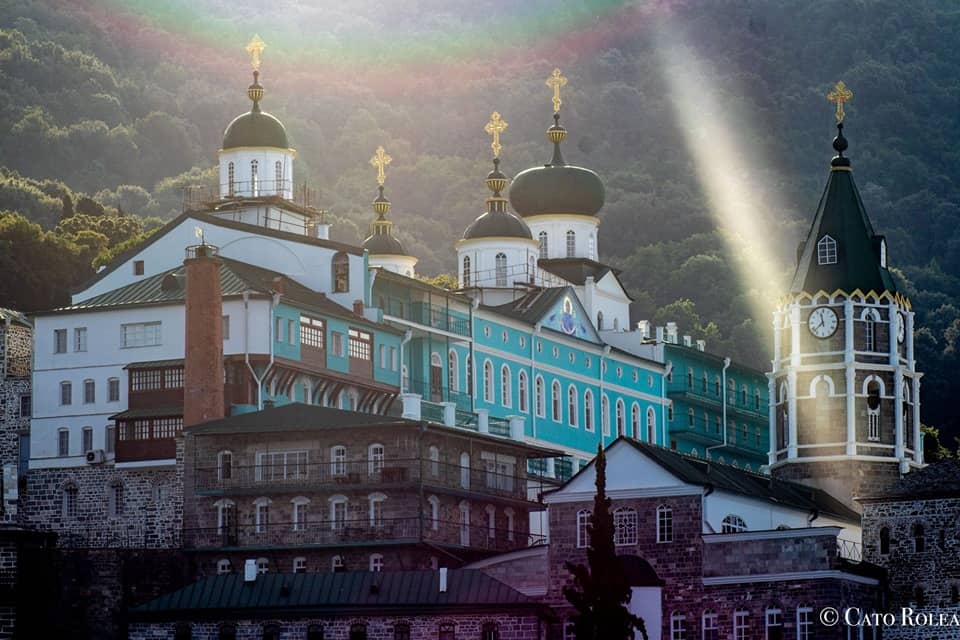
(844, 390)
(385, 250)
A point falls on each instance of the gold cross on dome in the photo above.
(495, 127)
(839, 95)
(255, 48)
(556, 81)
(381, 160)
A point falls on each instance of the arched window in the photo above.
(919, 544)
(464, 523)
(231, 178)
(664, 524)
(506, 392)
(225, 465)
(376, 562)
(572, 412)
(873, 410)
(621, 418)
(591, 247)
(338, 512)
(315, 632)
(539, 402)
(226, 517)
(741, 624)
(224, 567)
(555, 402)
(625, 526)
(341, 272)
(605, 414)
(542, 236)
(711, 625)
(465, 279)
(635, 421)
(822, 394)
(278, 177)
(704, 382)
(70, 493)
(375, 455)
(358, 631)
(884, 541)
(336, 564)
(490, 631)
(583, 521)
(522, 391)
(571, 244)
(689, 377)
(453, 371)
(716, 385)
(338, 460)
(870, 318)
(588, 410)
(254, 178)
(651, 424)
(531, 269)
(263, 566)
(464, 470)
(115, 499)
(907, 411)
(468, 365)
(487, 381)
(733, 524)
(434, 503)
(774, 622)
(491, 512)
(599, 320)
(500, 261)
(826, 250)
(401, 631)
(804, 622)
(262, 514)
(678, 626)
(447, 631)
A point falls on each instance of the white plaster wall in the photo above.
(483, 253)
(761, 515)
(266, 157)
(557, 226)
(404, 265)
(647, 604)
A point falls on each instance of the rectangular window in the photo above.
(393, 358)
(140, 334)
(138, 269)
(86, 439)
(360, 344)
(26, 405)
(80, 339)
(89, 391)
(63, 443)
(66, 393)
(166, 427)
(226, 327)
(382, 352)
(664, 524)
(311, 332)
(583, 536)
(338, 348)
(145, 379)
(740, 625)
(173, 378)
(110, 438)
(59, 340)
(281, 465)
(804, 623)
(774, 626)
(278, 330)
(678, 629)
(291, 332)
(873, 422)
(113, 390)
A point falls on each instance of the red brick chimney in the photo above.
(203, 367)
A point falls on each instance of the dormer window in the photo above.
(826, 250)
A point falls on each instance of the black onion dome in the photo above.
(557, 189)
(383, 244)
(497, 224)
(255, 129)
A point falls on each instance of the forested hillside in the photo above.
(108, 109)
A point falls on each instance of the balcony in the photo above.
(365, 475)
(438, 393)
(694, 395)
(340, 533)
(428, 315)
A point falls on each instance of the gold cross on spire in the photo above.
(255, 47)
(556, 81)
(495, 127)
(380, 160)
(839, 95)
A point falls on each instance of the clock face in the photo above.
(901, 327)
(823, 322)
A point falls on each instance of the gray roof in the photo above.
(286, 594)
(531, 306)
(13, 317)
(255, 129)
(938, 480)
(497, 224)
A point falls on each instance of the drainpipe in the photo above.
(533, 376)
(274, 301)
(604, 415)
(723, 397)
(663, 406)
(406, 338)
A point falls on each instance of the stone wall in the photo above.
(843, 480)
(15, 361)
(511, 626)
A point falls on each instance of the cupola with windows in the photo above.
(385, 251)
(560, 202)
(255, 157)
(497, 249)
(844, 411)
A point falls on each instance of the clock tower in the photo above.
(844, 390)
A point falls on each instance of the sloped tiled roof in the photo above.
(938, 480)
(530, 307)
(576, 270)
(349, 591)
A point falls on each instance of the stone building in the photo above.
(16, 361)
(354, 605)
(911, 529)
(305, 488)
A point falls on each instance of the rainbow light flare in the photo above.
(741, 208)
(516, 39)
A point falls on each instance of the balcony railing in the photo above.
(501, 276)
(311, 475)
(696, 394)
(438, 393)
(849, 550)
(428, 315)
(360, 531)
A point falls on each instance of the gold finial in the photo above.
(556, 81)
(255, 47)
(839, 95)
(495, 127)
(380, 160)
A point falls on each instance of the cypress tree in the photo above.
(600, 592)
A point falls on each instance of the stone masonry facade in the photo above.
(16, 351)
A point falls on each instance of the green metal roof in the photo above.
(841, 216)
(334, 593)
